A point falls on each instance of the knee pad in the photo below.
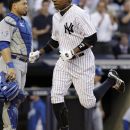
(10, 116)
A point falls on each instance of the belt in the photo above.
(20, 57)
(78, 55)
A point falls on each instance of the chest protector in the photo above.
(24, 29)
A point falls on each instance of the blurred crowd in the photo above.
(112, 24)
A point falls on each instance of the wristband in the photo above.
(10, 64)
(3, 45)
(82, 46)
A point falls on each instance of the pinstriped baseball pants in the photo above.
(79, 71)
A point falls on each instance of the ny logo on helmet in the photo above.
(69, 29)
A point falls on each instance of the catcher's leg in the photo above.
(10, 112)
(10, 116)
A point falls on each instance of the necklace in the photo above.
(65, 8)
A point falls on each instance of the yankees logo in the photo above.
(69, 28)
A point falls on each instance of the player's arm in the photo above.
(6, 55)
(6, 31)
(86, 43)
(5, 51)
(50, 46)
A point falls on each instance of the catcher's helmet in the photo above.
(8, 89)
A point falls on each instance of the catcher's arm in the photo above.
(6, 54)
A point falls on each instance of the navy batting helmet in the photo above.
(8, 89)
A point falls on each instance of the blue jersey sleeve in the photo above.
(4, 45)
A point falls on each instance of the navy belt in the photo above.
(20, 57)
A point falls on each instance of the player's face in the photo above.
(21, 7)
(61, 4)
(45, 7)
(101, 7)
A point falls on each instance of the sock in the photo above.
(100, 91)
(61, 113)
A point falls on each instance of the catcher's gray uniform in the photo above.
(16, 32)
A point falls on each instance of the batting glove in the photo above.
(33, 56)
(65, 56)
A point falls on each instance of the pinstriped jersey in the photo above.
(10, 32)
(71, 28)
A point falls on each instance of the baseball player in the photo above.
(15, 46)
(74, 34)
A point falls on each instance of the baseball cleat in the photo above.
(119, 85)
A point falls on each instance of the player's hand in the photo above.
(65, 56)
(11, 74)
(33, 56)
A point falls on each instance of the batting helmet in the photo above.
(8, 89)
